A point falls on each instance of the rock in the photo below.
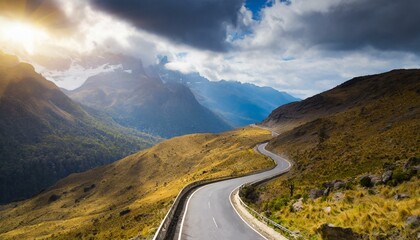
(413, 221)
(329, 231)
(401, 196)
(326, 192)
(389, 166)
(328, 184)
(339, 184)
(297, 206)
(412, 163)
(375, 180)
(338, 196)
(386, 176)
(327, 209)
(315, 193)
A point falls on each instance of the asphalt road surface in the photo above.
(209, 213)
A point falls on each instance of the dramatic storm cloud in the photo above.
(299, 46)
(199, 23)
(382, 24)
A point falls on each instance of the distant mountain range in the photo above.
(45, 136)
(145, 103)
(169, 103)
(237, 103)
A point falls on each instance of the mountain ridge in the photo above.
(355, 149)
(44, 135)
(238, 103)
(145, 103)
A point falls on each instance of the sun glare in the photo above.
(20, 35)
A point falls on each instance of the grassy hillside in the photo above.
(130, 197)
(377, 130)
(45, 136)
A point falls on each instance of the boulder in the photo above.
(328, 184)
(375, 180)
(329, 231)
(413, 221)
(412, 163)
(339, 184)
(386, 176)
(297, 206)
(315, 193)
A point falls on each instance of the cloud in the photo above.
(341, 25)
(302, 47)
(198, 23)
(382, 24)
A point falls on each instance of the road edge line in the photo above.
(233, 206)
(186, 210)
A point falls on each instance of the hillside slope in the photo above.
(45, 136)
(130, 197)
(367, 126)
(145, 103)
(237, 103)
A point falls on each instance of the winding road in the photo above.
(209, 213)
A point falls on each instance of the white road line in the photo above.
(231, 203)
(214, 220)
(185, 213)
(208, 203)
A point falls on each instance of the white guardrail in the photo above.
(168, 224)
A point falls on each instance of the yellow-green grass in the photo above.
(371, 212)
(145, 183)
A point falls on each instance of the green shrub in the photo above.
(365, 182)
(400, 176)
(249, 193)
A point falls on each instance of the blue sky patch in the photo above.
(255, 7)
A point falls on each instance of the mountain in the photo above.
(363, 134)
(237, 103)
(130, 197)
(145, 103)
(45, 136)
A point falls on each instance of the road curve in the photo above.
(209, 214)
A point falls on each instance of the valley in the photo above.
(131, 196)
(209, 120)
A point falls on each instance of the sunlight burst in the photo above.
(21, 35)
